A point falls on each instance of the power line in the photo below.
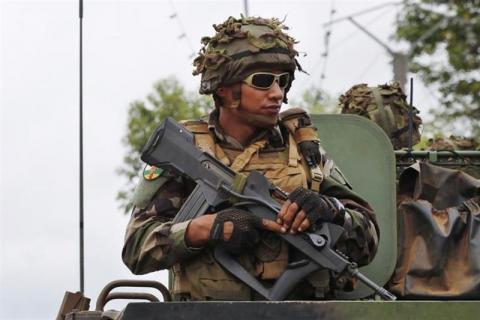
(394, 3)
(367, 68)
(328, 33)
(367, 24)
(343, 40)
(372, 36)
(183, 33)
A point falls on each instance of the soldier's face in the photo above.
(261, 107)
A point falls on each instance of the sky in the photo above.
(128, 45)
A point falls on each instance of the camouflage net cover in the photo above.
(452, 143)
(241, 45)
(386, 105)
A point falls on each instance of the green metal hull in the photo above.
(367, 158)
(358, 310)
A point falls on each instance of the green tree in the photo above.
(168, 99)
(445, 39)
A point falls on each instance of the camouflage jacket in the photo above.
(152, 243)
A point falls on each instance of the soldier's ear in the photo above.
(220, 96)
(229, 96)
(221, 92)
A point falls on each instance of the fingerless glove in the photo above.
(244, 235)
(318, 207)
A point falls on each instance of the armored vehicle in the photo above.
(366, 156)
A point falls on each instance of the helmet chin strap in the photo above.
(236, 95)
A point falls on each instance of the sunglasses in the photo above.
(265, 80)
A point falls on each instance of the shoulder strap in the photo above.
(295, 119)
(298, 124)
(203, 140)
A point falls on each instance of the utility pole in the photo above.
(245, 7)
(81, 209)
(400, 59)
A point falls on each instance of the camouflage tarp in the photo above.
(439, 234)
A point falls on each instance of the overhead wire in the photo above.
(183, 33)
(328, 30)
(324, 55)
(367, 24)
(328, 33)
(371, 9)
(372, 62)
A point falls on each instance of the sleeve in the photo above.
(152, 242)
(360, 240)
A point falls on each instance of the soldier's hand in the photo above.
(236, 230)
(201, 229)
(292, 218)
(305, 208)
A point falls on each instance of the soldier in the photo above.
(387, 106)
(248, 66)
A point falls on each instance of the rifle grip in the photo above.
(195, 205)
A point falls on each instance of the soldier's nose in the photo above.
(275, 92)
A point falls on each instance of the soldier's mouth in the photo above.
(274, 109)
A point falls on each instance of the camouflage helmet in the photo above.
(242, 46)
(387, 106)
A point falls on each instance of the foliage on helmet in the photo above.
(386, 105)
(241, 46)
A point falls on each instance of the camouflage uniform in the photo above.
(239, 48)
(153, 243)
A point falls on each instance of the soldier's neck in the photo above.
(232, 125)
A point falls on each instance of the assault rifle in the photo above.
(172, 147)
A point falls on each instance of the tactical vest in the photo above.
(201, 278)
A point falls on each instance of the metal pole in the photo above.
(245, 7)
(410, 120)
(371, 35)
(400, 68)
(81, 152)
